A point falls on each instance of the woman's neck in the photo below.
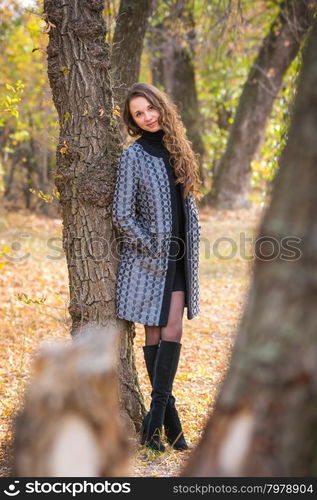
(153, 144)
(153, 137)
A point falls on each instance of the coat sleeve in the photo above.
(123, 213)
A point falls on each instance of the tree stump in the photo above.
(70, 425)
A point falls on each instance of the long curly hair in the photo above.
(183, 159)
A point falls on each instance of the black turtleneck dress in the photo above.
(152, 143)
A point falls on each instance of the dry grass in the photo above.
(34, 290)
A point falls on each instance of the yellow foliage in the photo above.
(116, 111)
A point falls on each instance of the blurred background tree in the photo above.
(27, 138)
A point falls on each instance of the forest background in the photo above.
(222, 41)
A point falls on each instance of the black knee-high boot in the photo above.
(173, 428)
(149, 352)
(165, 368)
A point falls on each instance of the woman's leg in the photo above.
(166, 365)
(173, 330)
(152, 334)
(152, 338)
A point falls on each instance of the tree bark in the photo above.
(174, 69)
(127, 44)
(87, 155)
(9, 178)
(70, 425)
(231, 182)
(264, 420)
(43, 164)
(31, 166)
(6, 161)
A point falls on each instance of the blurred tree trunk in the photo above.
(84, 435)
(174, 68)
(127, 44)
(231, 182)
(86, 157)
(9, 177)
(29, 166)
(43, 164)
(264, 419)
(6, 160)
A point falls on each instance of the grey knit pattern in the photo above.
(142, 214)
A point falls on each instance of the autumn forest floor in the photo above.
(34, 291)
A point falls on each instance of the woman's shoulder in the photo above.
(131, 148)
(131, 158)
(139, 152)
(130, 151)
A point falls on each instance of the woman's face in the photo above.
(144, 114)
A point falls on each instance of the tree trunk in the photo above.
(43, 164)
(70, 424)
(264, 420)
(231, 182)
(127, 44)
(31, 165)
(6, 161)
(9, 178)
(87, 155)
(174, 69)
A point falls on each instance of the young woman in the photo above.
(155, 211)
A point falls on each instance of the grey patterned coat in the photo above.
(142, 212)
